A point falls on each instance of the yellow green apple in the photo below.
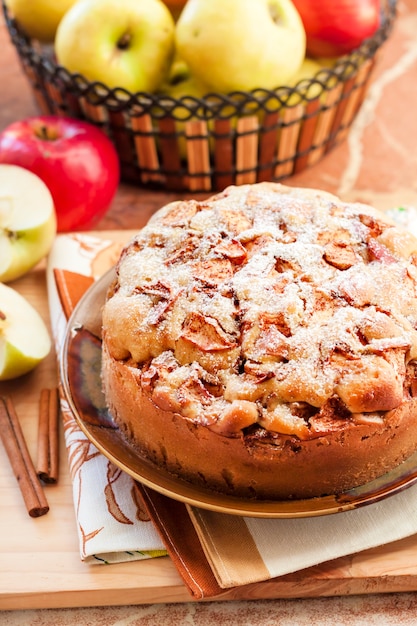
(181, 83)
(302, 88)
(128, 44)
(308, 69)
(305, 85)
(39, 19)
(24, 337)
(27, 221)
(240, 45)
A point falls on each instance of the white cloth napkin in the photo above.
(112, 523)
(243, 550)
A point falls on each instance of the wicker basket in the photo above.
(192, 144)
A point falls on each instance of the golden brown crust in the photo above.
(266, 327)
(258, 464)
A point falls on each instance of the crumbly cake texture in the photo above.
(263, 342)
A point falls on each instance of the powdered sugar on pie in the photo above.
(267, 307)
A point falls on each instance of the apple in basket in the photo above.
(39, 18)
(27, 221)
(24, 338)
(336, 27)
(75, 159)
(241, 44)
(127, 44)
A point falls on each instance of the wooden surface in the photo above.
(39, 559)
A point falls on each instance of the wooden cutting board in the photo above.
(40, 566)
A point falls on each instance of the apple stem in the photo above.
(124, 41)
(46, 134)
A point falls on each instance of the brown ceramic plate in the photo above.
(80, 375)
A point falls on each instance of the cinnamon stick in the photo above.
(48, 436)
(20, 460)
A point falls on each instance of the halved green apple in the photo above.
(24, 337)
(27, 221)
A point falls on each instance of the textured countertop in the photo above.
(377, 164)
(368, 610)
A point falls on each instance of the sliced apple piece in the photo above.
(27, 221)
(24, 338)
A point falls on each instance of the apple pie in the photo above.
(262, 343)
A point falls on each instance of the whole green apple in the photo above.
(128, 44)
(240, 45)
(27, 221)
(39, 19)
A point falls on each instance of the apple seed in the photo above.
(2, 316)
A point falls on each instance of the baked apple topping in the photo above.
(297, 320)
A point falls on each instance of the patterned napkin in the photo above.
(212, 551)
(112, 523)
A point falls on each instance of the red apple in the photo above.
(76, 161)
(336, 27)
